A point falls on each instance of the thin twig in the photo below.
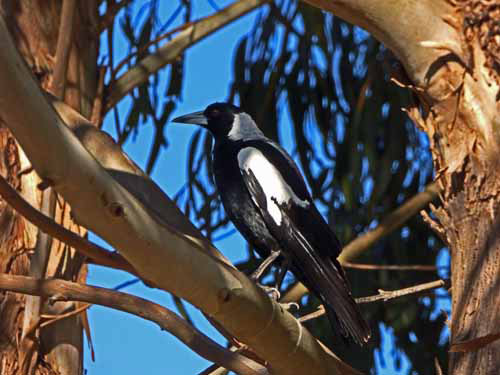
(385, 295)
(390, 267)
(166, 319)
(55, 318)
(49, 226)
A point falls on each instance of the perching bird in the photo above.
(266, 198)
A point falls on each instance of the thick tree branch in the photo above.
(170, 51)
(172, 261)
(63, 290)
(385, 295)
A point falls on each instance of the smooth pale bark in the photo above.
(173, 262)
(449, 50)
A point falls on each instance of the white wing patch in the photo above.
(270, 179)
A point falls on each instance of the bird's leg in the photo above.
(255, 276)
(281, 273)
(274, 292)
(279, 280)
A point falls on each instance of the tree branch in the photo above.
(51, 319)
(101, 204)
(386, 295)
(214, 370)
(49, 226)
(166, 319)
(390, 267)
(167, 53)
(63, 48)
(109, 17)
(390, 223)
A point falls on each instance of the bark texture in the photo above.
(462, 122)
(57, 349)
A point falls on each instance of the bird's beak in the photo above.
(192, 118)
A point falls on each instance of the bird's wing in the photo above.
(280, 195)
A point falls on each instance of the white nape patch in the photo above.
(270, 179)
(244, 128)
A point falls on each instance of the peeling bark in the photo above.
(34, 26)
(471, 220)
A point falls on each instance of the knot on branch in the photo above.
(117, 209)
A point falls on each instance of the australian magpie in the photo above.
(266, 198)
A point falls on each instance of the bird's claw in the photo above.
(275, 295)
(272, 292)
(290, 306)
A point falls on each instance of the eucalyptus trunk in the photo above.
(25, 348)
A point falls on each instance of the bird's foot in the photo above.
(275, 295)
(288, 306)
(271, 291)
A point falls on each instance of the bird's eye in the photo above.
(214, 113)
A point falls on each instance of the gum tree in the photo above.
(448, 54)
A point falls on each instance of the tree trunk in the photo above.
(462, 123)
(56, 348)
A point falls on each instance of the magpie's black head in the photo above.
(219, 118)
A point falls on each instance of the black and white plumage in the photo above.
(267, 199)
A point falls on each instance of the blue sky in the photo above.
(125, 344)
